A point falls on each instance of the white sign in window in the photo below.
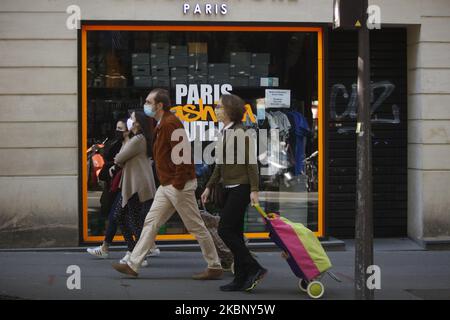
(276, 98)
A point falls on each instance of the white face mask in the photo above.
(129, 124)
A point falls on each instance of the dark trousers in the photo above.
(130, 220)
(111, 229)
(231, 230)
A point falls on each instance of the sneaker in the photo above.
(233, 286)
(98, 252)
(125, 259)
(154, 252)
(253, 279)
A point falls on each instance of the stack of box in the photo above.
(259, 68)
(197, 62)
(219, 73)
(240, 68)
(140, 70)
(159, 60)
(178, 63)
(178, 75)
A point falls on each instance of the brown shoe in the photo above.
(208, 274)
(124, 268)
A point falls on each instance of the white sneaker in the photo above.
(154, 252)
(125, 259)
(98, 252)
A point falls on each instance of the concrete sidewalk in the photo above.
(407, 272)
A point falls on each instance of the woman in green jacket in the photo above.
(238, 172)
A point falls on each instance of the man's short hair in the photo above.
(162, 96)
(234, 107)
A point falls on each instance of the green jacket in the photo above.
(235, 173)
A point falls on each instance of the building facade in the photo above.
(46, 106)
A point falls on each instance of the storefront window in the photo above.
(277, 71)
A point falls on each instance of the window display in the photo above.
(277, 72)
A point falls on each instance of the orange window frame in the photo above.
(204, 28)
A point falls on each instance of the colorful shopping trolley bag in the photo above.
(305, 255)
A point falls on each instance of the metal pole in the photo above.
(364, 216)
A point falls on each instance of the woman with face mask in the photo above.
(112, 203)
(137, 183)
(241, 184)
(108, 197)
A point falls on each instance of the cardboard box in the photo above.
(239, 70)
(162, 70)
(178, 61)
(197, 79)
(156, 59)
(217, 69)
(260, 58)
(199, 68)
(240, 58)
(140, 70)
(261, 70)
(142, 81)
(239, 81)
(214, 79)
(140, 58)
(161, 81)
(178, 72)
(159, 48)
(197, 58)
(178, 80)
(178, 51)
(197, 47)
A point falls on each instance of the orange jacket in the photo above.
(168, 172)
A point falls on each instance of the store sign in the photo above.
(195, 108)
(207, 9)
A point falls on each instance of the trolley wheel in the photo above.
(232, 268)
(315, 289)
(303, 285)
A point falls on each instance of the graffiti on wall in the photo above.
(379, 92)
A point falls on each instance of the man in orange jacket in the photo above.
(175, 193)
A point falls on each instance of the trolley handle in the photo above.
(260, 210)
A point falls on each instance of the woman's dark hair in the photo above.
(234, 107)
(142, 119)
